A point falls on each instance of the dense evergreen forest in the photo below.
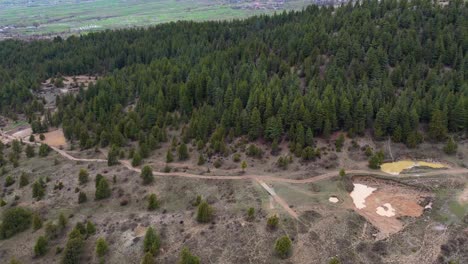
(398, 69)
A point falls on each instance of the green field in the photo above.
(40, 17)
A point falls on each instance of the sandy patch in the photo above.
(395, 168)
(54, 138)
(333, 199)
(140, 231)
(386, 210)
(388, 202)
(360, 193)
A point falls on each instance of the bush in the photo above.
(201, 160)
(51, 230)
(169, 156)
(376, 160)
(63, 221)
(90, 228)
(9, 181)
(272, 222)
(147, 175)
(334, 260)
(23, 180)
(153, 202)
(148, 258)
(2, 202)
(236, 157)
(183, 152)
(151, 242)
(44, 150)
(451, 147)
(218, 163)
(38, 189)
(254, 151)
(283, 246)
(101, 247)
(339, 143)
(41, 247)
(73, 250)
(204, 212)
(83, 176)
(15, 220)
(36, 222)
(30, 151)
(136, 161)
(250, 214)
(103, 190)
(186, 257)
(82, 198)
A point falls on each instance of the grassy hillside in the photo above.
(25, 18)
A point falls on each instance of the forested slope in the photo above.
(398, 68)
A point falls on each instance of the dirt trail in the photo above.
(258, 178)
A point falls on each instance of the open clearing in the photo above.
(54, 138)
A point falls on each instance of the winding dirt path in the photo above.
(260, 179)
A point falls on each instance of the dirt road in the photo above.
(258, 178)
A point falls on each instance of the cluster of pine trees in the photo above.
(396, 68)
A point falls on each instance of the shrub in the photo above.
(151, 242)
(339, 143)
(36, 222)
(272, 222)
(103, 190)
(41, 246)
(186, 257)
(204, 212)
(136, 161)
(201, 160)
(83, 176)
(9, 181)
(182, 152)
(82, 198)
(218, 163)
(254, 151)
(169, 156)
(44, 150)
(32, 138)
(38, 189)
(2, 202)
(148, 258)
(250, 214)
(334, 260)
(153, 202)
(41, 137)
(63, 221)
(90, 228)
(101, 247)
(147, 175)
(51, 230)
(30, 151)
(73, 250)
(451, 147)
(376, 160)
(283, 246)
(23, 180)
(15, 220)
(236, 157)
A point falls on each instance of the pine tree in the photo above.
(147, 175)
(40, 248)
(101, 247)
(136, 161)
(186, 257)
(38, 189)
(169, 156)
(451, 146)
(36, 222)
(437, 126)
(83, 176)
(103, 190)
(148, 258)
(152, 242)
(183, 152)
(255, 128)
(30, 151)
(204, 212)
(24, 180)
(243, 165)
(153, 202)
(283, 247)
